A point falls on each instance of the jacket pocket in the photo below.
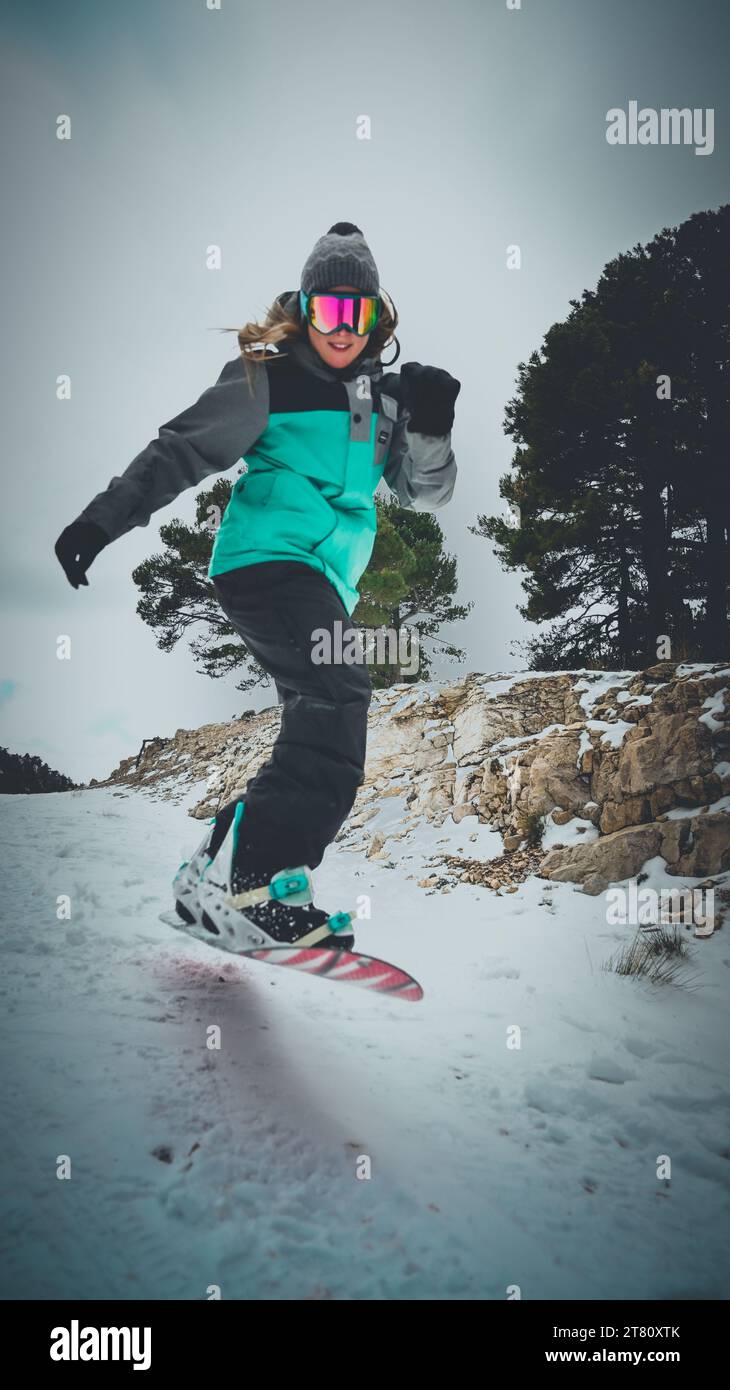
(246, 524)
(301, 517)
(278, 511)
(254, 488)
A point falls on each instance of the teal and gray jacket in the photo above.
(316, 442)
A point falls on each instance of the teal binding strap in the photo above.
(340, 921)
(292, 885)
(237, 818)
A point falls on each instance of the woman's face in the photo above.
(340, 348)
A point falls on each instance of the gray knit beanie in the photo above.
(342, 257)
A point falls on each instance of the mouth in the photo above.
(341, 347)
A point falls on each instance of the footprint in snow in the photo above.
(603, 1068)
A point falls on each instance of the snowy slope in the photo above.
(491, 1166)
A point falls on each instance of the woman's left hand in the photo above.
(429, 394)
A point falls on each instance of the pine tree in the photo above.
(409, 588)
(620, 422)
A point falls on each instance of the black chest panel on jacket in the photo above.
(292, 388)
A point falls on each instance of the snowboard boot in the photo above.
(262, 925)
(232, 868)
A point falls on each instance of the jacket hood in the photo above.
(303, 352)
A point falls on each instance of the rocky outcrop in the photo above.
(609, 859)
(655, 789)
(620, 768)
(215, 756)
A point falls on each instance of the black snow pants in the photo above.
(300, 797)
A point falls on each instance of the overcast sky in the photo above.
(237, 127)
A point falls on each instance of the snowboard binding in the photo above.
(207, 905)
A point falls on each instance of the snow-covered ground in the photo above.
(491, 1165)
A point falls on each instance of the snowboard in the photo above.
(342, 966)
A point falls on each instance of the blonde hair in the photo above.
(280, 327)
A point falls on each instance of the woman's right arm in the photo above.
(208, 437)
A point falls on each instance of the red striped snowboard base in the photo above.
(345, 967)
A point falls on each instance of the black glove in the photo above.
(77, 547)
(429, 394)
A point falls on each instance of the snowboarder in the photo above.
(319, 424)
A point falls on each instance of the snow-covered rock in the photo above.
(615, 751)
